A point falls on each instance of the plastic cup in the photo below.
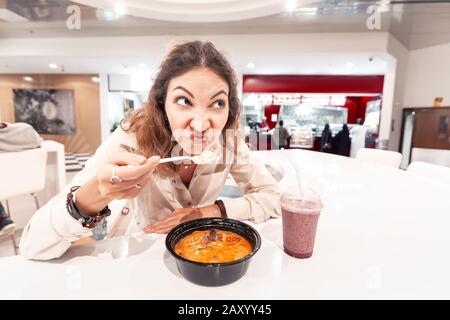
(300, 215)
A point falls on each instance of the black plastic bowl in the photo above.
(213, 274)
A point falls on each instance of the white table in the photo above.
(383, 234)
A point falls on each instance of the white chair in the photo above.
(21, 173)
(383, 157)
(430, 171)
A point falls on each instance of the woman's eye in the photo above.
(183, 101)
(219, 104)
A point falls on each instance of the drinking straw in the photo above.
(297, 173)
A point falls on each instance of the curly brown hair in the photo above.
(150, 123)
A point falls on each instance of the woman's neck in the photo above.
(186, 171)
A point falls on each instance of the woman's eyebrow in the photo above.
(221, 91)
(184, 89)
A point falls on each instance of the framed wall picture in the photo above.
(49, 111)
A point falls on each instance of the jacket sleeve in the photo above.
(261, 199)
(51, 230)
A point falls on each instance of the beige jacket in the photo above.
(51, 230)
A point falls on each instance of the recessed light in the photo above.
(291, 5)
(95, 79)
(106, 15)
(28, 79)
(349, 65)
(53, 66)
(250, 65)
(142, 65)
(120, 9)
(307, 10)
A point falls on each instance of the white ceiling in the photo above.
(196, 10)
(416, 25)
(264, 64)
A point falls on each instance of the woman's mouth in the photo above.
(199, 138)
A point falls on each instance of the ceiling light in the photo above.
(95, 79)
(251, 65)
(291, 5)
(349, 65)
(142, 65)
(307, 10)
(106, 15)
(28, 79)
(53, 66)
(120, 9)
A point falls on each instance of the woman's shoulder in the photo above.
(121, 139)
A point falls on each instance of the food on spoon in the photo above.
(205, 157)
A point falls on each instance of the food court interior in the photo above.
(379, 65)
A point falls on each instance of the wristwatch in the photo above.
(88, 221)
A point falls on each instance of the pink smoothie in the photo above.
(300, 219)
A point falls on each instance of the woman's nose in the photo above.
(200, 124)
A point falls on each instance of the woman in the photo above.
(193, 105)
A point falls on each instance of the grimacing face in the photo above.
(197, 109)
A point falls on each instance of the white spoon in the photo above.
(204, 158)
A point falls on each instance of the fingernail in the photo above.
(155, 159)
(139, 159)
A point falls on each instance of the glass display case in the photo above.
(302, 137)
(312, 117)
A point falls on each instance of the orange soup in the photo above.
(213, 246)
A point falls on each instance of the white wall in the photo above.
(428, 76)
(395, 79)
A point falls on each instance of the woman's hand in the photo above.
(182, 215)
(132, 175)
(134, 172)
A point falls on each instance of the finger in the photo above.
(127, 184)
(155, 226)
(127, 158)
(164, 231)
(135, 171)
(173, 219)
(176, 218)
(160, 225)
(129, 193)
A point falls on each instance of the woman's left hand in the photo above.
(182, 215)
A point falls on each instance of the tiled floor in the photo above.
(76, 161)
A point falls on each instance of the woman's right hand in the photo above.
(134, 172)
